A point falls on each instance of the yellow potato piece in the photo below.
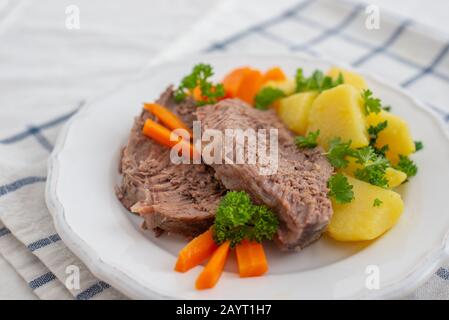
(396, 135)
(288, 86)
(360, 220)
(294, 110)
(394, 177)
(337, 112)
(349, 77)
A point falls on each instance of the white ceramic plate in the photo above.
(92, 222)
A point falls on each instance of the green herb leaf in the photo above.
(374, 172)
(309, 141)
(373, 166)
(267, 96)
(374, 131)
(364, 155)
(338, 151)
(371, 104)
(377, 202)
(340, 189)
(418, 146)
(407, 166)
(317, 81)
(200, 77)
(237, 218)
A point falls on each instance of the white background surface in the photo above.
(41, 62)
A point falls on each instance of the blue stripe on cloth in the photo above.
(443, 273)
(90, 292)
(43, 242)
(11, 187)
(429, 69)
(394, 36)
(331, 31)
(260, 26)
(282, 41)
(4, 232)
(41, 138)
(365, 44)
(41, 280)
(51, 123)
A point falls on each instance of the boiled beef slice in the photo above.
(296, 192)
(177, 198)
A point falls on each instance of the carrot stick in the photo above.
(196, 251)
(251, 259)
(168, 118)
(249, 86)
(212, 272)
(161, 135)
(274, 74)
(232, 80)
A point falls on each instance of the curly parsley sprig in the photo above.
(237, 218)
(309, 141)
(317, 81)
(267, 96)
(407, 166)
(340, 188)
(199, 77)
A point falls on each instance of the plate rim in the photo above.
(434, 257)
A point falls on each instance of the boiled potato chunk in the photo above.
(396, 135)
(360, 220)
(394, 177)
(294, 110)
(288, 86)
(337, 112)
(349, 77)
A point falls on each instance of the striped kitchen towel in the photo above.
(29, 241)
(45, 71)
(413, 55)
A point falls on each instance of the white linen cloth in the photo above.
(32, 109)
(46, 72)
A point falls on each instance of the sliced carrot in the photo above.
(196, 251)
(251, 259)
(232, 80)
(196, 93)
(161, 135)
(168, 118)
(214, 268)
(274, 74)
(249, 86)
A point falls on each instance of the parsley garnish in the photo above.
(418, 146)
(374, 167)
(308, 141)
(340, 189)
(371, 104)
(338, 151)
(377, 202)
(200, 77)
(373, 164)
(237, 218)
(373, 132)
(265, 97)
(407, 166)
(317, 81)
